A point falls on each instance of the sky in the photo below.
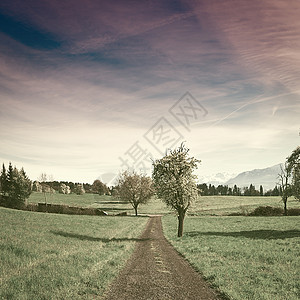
(89, 88)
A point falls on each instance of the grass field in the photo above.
(224, 205)
(49, 256)
(45, 256)
(244, 257)
(205, 205)
(109, 204)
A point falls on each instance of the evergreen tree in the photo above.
(17, 186)
(3, 181)
(246, 191)
(275, 191)
(235, 191)
(10, 177)
(261, 190)
(25, 185)
(252, 190)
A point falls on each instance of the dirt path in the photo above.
(157, 271)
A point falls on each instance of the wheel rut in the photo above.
(156, 271)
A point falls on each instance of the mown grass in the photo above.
(243, 257)
(49, 256)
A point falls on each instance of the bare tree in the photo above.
(135, 188)
(284, 183)
(175, 183)
(43, 179)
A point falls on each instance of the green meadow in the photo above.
(109, 204)
(49, 256)
(243, 257)
(205, 205)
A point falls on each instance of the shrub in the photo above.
(267, 211)
(31, 207)
(69, 210)
(294, 212)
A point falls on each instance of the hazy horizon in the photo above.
(87, 88)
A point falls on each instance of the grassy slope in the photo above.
(48, 256)
(244, 257)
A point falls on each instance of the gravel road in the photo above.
(157, 271)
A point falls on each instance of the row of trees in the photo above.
(15, 186)
(225, 190)
(46, 184)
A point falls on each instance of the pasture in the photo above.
(45, 256)
(205, 205)
(49, 256)
(109, 204)
(243, 257)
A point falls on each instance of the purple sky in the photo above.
(87, 87)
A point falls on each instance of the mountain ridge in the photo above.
(267, 177)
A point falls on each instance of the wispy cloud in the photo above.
(116, 68)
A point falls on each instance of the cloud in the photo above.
(264, 35)
(117, 68)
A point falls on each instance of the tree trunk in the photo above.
(181, 215)
(135, 209)
(285, 208)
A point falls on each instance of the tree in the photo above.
(284, 184)
(202, 189)
(293, 165)
(135, 188)
(99, 187)
(212, 190)
(236, 191)
(175, 183)
(46, 182)
(261, 190)
(275, 191)
(79, 189)
(15, 186)
(24, 184)
(3, 181)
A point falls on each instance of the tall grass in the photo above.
(244, 257)
(48, 256)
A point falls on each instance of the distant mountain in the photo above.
(266, 177)
(216, 179)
